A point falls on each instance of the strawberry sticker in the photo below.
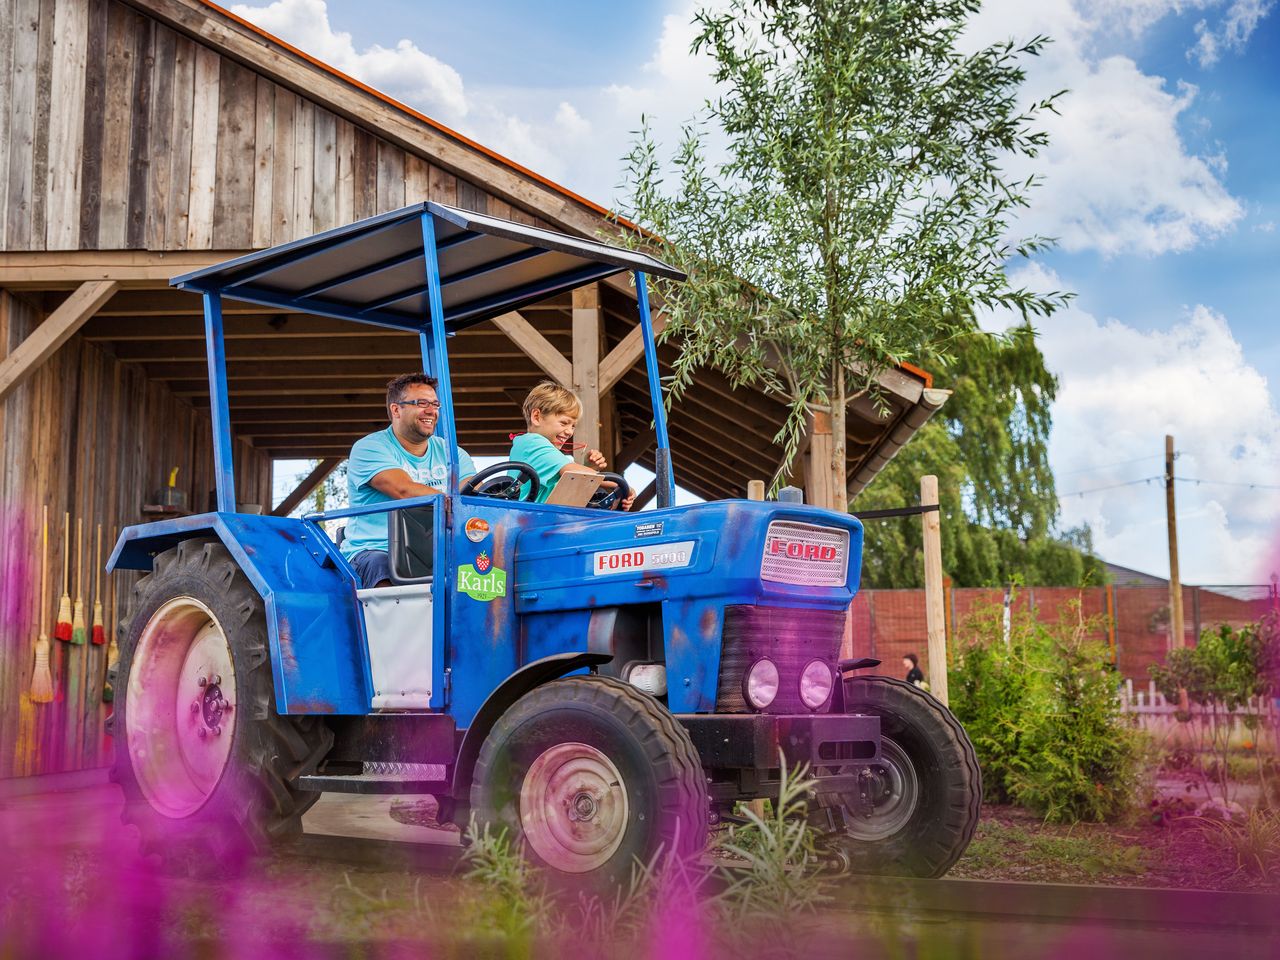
(483, 562)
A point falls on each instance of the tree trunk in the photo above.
(839, 481)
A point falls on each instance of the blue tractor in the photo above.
(605, 685)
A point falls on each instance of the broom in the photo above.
(113, 651)
(62, 630)
(78, 632)
(99, 632)
(41, 678)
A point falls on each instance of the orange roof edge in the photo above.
(480, 148)
(920, 372)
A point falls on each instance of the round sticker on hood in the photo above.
(477, 529)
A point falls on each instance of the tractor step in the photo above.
(381, 778)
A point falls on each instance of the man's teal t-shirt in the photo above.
(540, 454)
(382, 451)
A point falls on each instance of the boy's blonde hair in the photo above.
(549, 399)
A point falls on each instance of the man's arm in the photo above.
(396, 483)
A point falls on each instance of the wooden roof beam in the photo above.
(308, 485)
(68, 269)
(535, 346)
(57, 329)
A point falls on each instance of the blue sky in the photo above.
(1159, 182)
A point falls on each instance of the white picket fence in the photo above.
(1151, 702)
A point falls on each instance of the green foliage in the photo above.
(1254, 841)
(1044, 718)
(1043, 854)
(520, 907)
(1220, 676)
(783, 875)
(860, 215)
(989, 448)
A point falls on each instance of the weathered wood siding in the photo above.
(117, 132)
(93, 436)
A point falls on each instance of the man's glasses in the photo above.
(424, 404)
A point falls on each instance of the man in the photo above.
(405, 460)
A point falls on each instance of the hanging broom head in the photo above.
(99, 632)
(41, 677)
(62, 630)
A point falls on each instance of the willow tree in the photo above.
(860, 211)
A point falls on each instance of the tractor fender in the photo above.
(528, 677)
(319, 659)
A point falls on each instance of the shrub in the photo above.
(1221, 675)
(1042, 711)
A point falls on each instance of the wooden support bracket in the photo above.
(57, 329)
(537, 347)
(624, 356)
(308, 484)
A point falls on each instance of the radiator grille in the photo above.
(805, 555)
(789, 637)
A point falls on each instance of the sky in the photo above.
(1159, 183)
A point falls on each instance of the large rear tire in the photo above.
(589, 775)
(204, 760)
(925, 794)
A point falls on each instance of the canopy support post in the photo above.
(219, 408)
(664, 482)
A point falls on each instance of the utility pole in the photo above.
(935, 611)
(1176, 636)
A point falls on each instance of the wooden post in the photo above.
(1176, 637)
(586, 362)
(1111, 622)
(935, 614)
(817, 472)
(57, 329)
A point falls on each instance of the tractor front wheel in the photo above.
(204, 760)
(590, 776)
(918, 807)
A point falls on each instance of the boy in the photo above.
(551, 414)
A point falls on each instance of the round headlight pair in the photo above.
(760, 685)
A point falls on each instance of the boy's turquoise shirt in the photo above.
(541, 455)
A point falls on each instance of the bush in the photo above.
(1042, 711)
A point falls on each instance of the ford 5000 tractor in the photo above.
(602, 684)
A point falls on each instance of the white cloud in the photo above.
(1231, 33)
(1121, 390)
(1119, 176)
(404, 71)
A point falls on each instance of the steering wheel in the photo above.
(606, 498)
(495, 482)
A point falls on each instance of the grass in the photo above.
(1015, 852)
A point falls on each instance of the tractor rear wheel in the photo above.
(922, 799)
(204, 760)
(589, 776)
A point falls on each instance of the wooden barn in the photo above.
(141, 139)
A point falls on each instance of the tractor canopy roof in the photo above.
(375, 271)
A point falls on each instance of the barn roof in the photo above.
(170, 135)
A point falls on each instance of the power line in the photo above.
(1108, 466)
(1229, 483)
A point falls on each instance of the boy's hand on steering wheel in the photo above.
(596, 459)
(625, 505)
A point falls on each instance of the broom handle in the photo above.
(79, 558)
(66, 552)
(44, 571)
(97, 577)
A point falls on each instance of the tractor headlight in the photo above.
(760, 685)
(816, 683)
(649, 677)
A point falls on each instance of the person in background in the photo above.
(551, 415)
(914, 674)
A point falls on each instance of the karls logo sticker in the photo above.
(476, 529)
(799, 550)
(660, 556)
(485, 585)
(651, 529)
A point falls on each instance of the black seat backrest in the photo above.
(411, 540)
